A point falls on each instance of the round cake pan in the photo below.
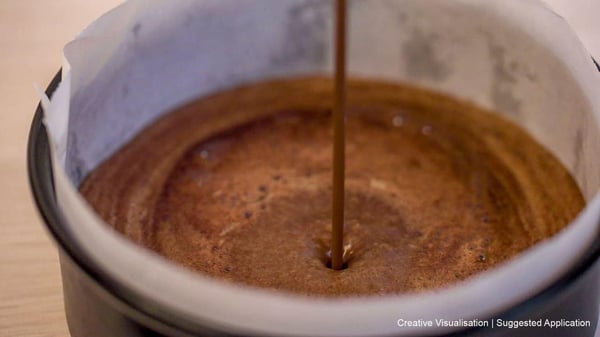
(97, 305)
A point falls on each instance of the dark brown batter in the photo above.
(238, 186)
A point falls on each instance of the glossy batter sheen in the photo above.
(238, 186)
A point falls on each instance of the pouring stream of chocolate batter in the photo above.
(339, 151)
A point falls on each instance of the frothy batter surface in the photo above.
(238, 186)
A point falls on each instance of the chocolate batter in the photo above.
(238, 186)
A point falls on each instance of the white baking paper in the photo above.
(145, 57)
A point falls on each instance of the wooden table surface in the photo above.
(32, 34)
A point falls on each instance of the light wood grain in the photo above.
(32, 34)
